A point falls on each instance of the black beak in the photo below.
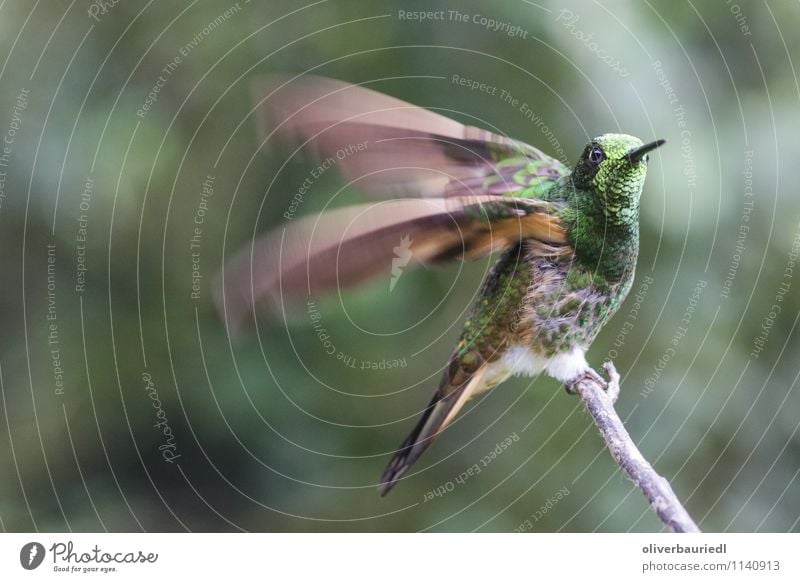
(636, 155)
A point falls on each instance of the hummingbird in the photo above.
(568, 237)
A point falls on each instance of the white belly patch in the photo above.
(566, 366)
(522, 361)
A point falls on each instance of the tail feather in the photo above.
(415, 444)
(443, 408)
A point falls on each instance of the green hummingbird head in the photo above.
(613, 167)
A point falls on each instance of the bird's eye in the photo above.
(596, 156)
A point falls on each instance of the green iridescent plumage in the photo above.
(599, 205)
(540, 311)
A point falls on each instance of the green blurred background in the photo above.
(270, 433)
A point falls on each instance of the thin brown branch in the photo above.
(657, 490)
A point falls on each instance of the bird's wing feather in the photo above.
(391, 147)
(343, 247)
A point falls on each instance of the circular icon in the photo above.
(31, 555)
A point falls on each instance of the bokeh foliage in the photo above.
(273, 433)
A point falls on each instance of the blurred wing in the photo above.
(345, 246)
(394, 148)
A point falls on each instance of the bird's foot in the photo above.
(588, 374)
(611, 387)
